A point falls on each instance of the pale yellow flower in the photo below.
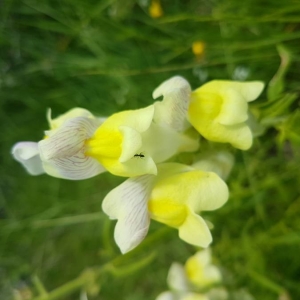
(155, 9)
(129, 143)
(198, 48)
(219, 111)
(174, 197)
(197, 274)
(200, 271)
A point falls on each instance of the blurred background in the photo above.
(107, 56)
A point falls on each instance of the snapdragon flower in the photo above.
(62, 152)
(197, 274)
(174, 197)
(80, 146)
(219, 111)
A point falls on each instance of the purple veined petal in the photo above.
(68, 139)
(128, 203)
(63, 152)
(172, 111)
(76, 167)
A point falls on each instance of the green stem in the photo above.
(64, 290)
(83, 279)
(133, 267)
(266, 282)
(39, 285)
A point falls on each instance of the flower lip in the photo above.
(27, 154)
(63, 151)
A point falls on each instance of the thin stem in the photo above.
(39, 286)
(64, 290)
(83, 279)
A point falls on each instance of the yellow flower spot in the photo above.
(155, 9)
(167, 212)
(198, 48)
(194, 271)
(104, 144)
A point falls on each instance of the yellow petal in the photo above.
(199, 190)
(249, 90)
(131, 143)
(165, 211)
(117, 141)
(218, 111)
(234, 108)
(105, 143)
(139, 119)
(136, 166)
(164, 142)
(200, 271)
(195, 231)
(238, 135)
(204, 104)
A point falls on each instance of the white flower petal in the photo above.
(63, 152)
(128, 204)
(163, 142)
(173, 109)
(27, 153)
(76, 167)
(220, 163)
(212, 273)
(72, 113)
(202, 258)
(166, 296)
(177, 279)
(219, 294)
(68, 139)
(194, 296)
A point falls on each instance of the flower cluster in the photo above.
(199, 279)
(195, 280)
(138, 144)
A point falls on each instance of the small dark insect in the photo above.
(139, 155)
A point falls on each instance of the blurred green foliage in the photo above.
(108, 56)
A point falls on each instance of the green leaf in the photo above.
(289, 129)
(276, 85)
